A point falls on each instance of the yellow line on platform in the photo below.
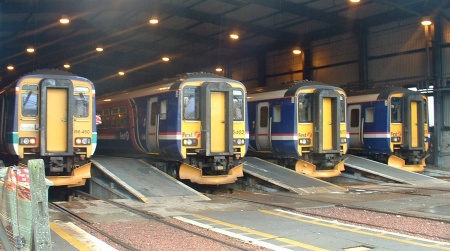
(262, 234)
(358, 230)
(66, 236)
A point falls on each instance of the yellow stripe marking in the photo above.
(80, 246)
(356, 230)
(265, 235)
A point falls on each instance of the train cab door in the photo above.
(56, 118)
(414, 122)
(262, 130)
(355, 126)
(152, 127)
(326, 120)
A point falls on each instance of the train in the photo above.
(389, 126)
(192, 126)
(301, 125)
(49, 114)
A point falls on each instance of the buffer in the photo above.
(390, 172)
(287, 178)
(141, 179)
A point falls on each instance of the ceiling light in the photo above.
(64, 20)
(67, 66)
(426, 21)
(234, 36)
(296, 51)
(219, 69)
(10, 67)
(354, 1)
(165, 59)
(121, 73)
(30, 49)
(153, 21)
(99, 48)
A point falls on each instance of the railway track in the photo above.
(144, 214)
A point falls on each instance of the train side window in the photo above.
(119, 116)
(29, 104)
(163, 107)
(425, 112)
(106, 118)
(354, 118)
(369, 115)
(81, 106)
(153, 113)
(263, 116)
(277, 113)
(238, 105)
(396, 110)
(305, 108)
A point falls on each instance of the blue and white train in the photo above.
(301, 125)
(390, 126)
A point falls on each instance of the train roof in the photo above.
(169, 84)
(376, 94)
(287, 89)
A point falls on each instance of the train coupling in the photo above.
(56, 165)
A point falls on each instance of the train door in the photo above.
(56, 117)
(355, 128)
(414, 121)
(327, 120)
(217, 118)
(262, 132)
(217, 104)
(152, 126)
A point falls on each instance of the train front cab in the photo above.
(55, 123)
(213, 134)
(329, 132)
(409, 131)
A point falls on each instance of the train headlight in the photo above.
(27, 141)
(82, 141)
(343, 140)
(238, 142)
(396, 139)
(304, 141)
(190, 142)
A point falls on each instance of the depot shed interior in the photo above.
(348, 43)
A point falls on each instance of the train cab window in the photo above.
(396, 110)
(277, 113)
(369, 115)
(238, 105)
(191, 99)
(305, 108)
(29, 104)
(81, 106)
(153, 113)
(354, 118)
(342, 108)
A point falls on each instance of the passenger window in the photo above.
(191, 99)
(106, 120)
(369, 115)
(119, 116)
(81, 106)
(29, 104)
(277, 113)
(354, 118)
(305, 108)
(153, 113)
(238, 105)
(396, 110)
(263, 116)
(163, 115)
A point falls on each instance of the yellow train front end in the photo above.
(214, 134)
(56, 123)
(322, 131)
(408, 131)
